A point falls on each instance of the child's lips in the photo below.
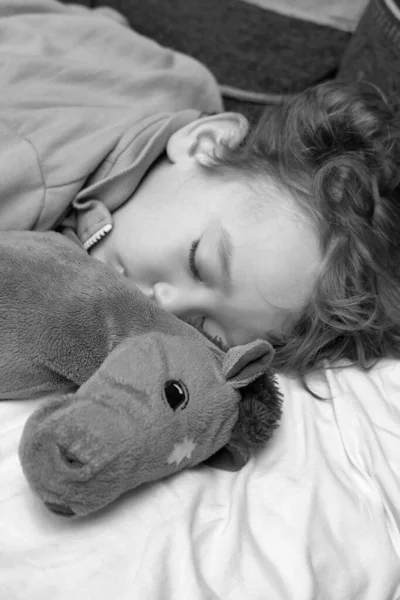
(196, 322)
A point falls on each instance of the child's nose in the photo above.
(146, 290)
(172, 299)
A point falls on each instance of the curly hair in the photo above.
(336, 149)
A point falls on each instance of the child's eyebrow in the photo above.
(224, 253)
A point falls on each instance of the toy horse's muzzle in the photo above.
(76, 469)
(60, 509)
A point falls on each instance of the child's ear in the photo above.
(199, 139)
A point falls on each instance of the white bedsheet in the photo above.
(339, 14)
(315, 515)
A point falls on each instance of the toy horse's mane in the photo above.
(260, 408)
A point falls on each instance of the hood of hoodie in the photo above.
(87, 106)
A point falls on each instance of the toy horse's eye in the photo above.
(176, 394)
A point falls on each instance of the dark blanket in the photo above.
(243, 45)
(259, 50)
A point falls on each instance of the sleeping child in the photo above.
(285, 230)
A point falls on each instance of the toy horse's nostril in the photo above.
(70, 459)
(60, 509)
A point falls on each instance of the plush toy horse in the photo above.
(151, 394)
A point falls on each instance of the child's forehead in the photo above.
(259, 198)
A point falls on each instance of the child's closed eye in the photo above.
(192, 260)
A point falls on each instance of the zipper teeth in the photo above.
(97, 236)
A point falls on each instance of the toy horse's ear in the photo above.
(241, 366)
(244, 364)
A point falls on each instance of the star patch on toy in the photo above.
(181, 450)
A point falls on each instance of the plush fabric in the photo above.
(153, 394)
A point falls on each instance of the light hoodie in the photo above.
(87, 106)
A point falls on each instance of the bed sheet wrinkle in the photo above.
(310, 517)
(370, 425)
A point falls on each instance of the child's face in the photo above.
(194, 244)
